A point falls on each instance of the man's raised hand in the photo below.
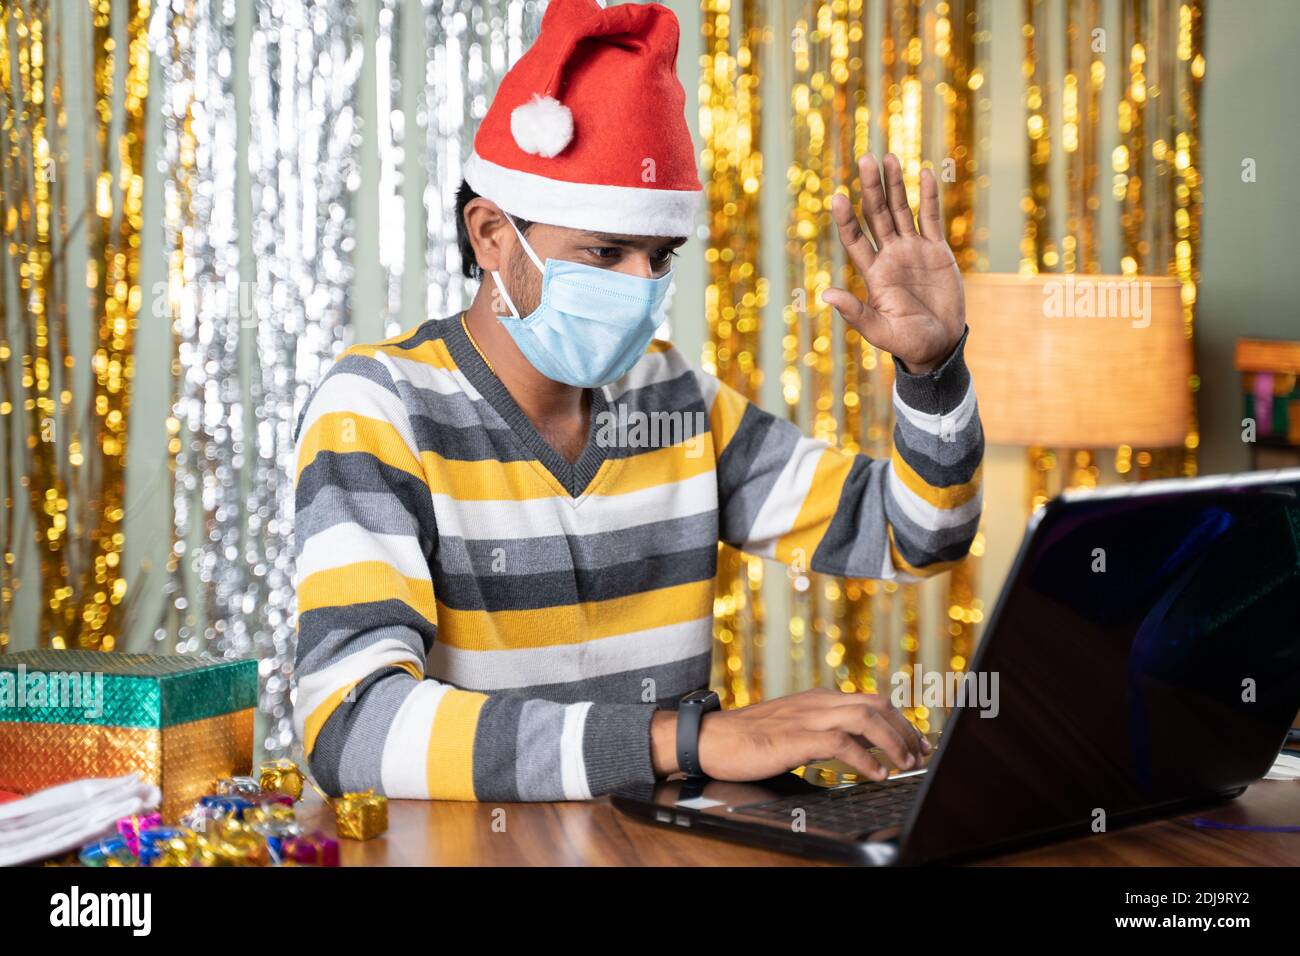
(916, 310)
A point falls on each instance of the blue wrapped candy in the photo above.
(157, 842)
(110, 851)
(219, 805)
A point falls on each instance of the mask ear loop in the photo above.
(541, 266)
(496, 276)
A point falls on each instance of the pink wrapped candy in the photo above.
(314, 849)
(130, 827)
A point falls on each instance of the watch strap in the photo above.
(690, 713)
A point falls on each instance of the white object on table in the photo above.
(1286, 767)
(66, 816)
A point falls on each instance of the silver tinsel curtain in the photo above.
(262, 104)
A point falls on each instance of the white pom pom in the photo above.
(543, 126)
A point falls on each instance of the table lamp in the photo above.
(1079, 361)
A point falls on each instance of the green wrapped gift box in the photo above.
(182, 721)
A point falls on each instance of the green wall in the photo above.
(1246, 256)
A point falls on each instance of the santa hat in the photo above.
(588, 129)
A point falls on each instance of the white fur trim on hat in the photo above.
(543, 126)
(621, 209)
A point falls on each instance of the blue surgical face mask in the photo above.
(591, 325)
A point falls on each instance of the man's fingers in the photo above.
(858, 314)
(840, 745)
(855, 241)
(876, 727)
(897, 193)
(911, 738)
(931, 216)
(867, 722)
(874, 207)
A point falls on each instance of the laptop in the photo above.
(1146, 647)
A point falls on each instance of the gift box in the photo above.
(182, 722)
(1270, 378)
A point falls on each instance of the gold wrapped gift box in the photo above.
(182, 722)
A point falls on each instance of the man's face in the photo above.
(646, 256)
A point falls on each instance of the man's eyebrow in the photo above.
(614, 239)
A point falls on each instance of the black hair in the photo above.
(469, 266)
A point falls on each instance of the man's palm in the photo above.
(916, 309)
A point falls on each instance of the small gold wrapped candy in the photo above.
(360, 816)
(229, 842)
(282, 776)
(269, 813)
(175, 853)
(174, 846)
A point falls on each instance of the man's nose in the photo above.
(637, 264)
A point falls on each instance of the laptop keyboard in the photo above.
(850, 811)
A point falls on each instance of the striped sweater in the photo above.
(480, 619)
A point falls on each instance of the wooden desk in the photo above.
(428, 833)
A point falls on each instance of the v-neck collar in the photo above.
(575, 477)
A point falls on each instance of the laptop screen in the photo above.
(1147, 649)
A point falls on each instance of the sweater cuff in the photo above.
(616, 747)
(939, 391)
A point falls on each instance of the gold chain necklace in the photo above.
(464, 325)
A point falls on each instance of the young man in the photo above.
(501, 597)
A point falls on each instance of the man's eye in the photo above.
(605, 252)
(665, 255)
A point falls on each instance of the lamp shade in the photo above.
(1079, 361)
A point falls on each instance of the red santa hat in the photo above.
(588, 129)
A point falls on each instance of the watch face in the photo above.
(706, 697)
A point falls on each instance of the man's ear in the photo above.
(487, 228)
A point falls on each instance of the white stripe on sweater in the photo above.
(778, 513)
(422, 375)
(341, 545)
(547, 517)
(573, 767)
(928, 516)
(709, 385)
(405, 772)
(565, 663)
(315, 688)
(930, 422)
(651, 369)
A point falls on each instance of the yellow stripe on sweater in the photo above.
(345, 432)
(434, 352)
(574, 623)
(487, 480)
(817, 509)
(954, 496)
(724, 417)
(364, 582)
(450, 762)
(664, 466)
(495, 480)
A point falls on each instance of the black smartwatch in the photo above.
(690, 712)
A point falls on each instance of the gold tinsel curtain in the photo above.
(912, 77)
(923, 104)
(735, 293)
(1158, 60)
(69, 431)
